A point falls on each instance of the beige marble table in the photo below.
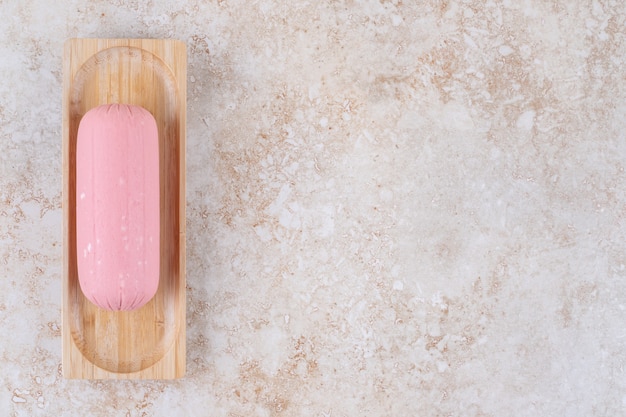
(394, 208)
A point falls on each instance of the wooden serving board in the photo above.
(148, 343)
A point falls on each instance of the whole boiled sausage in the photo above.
(117, 206)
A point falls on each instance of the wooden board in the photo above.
(148, 343)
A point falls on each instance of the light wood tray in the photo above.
(148, 343)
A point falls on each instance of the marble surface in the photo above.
(395, 208)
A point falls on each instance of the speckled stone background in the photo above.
(395, 208)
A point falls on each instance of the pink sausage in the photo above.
(117, 206)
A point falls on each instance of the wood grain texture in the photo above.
(148, 343)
